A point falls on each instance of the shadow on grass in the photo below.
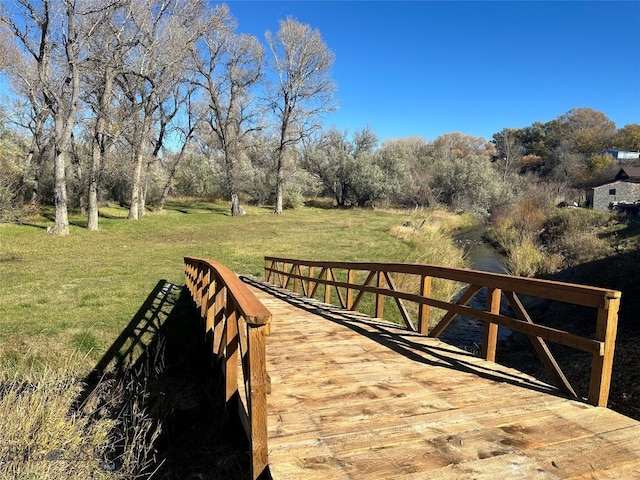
(189, 207)
(157, 384)
(108, 216)
(323, 203)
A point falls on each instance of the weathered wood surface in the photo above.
(379, 283)
(357, 398)
(236, 323)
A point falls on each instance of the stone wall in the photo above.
(620, 191)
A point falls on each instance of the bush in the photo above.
(540, 239)
(573, 233)
(292, 197)
(197, 177)
(471, 184)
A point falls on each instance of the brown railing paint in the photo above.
(379, 282)
(235, 324)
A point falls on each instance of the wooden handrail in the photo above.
(379, 282)
(235, 325)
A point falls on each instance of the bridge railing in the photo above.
(235, 325)
(350, 281)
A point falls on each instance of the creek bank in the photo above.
(466, 332)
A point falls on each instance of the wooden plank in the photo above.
(606, 328)
(423, 310)
(362, 398)
(231, 353)
(490, 335)
(258, 386)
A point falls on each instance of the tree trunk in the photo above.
(165, 194)
(96, 164)
(98, 149)
(92, 208)
(137, 200)
(235, 205)
(279, 184)
(167, 186)
(61, 226)
(134, 208)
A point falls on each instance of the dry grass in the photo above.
(430, 238)
(42, 439)
(539, 239)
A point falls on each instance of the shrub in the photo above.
(525, 258)
(40, 438)
(292, 197)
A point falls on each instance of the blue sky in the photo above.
(429, 68)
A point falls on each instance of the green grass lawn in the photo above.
(64, 299)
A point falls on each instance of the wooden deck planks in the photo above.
(357, 398)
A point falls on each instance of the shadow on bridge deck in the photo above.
(353, 397)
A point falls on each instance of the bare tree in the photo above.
(110, 40)
(509, 150)
(47, 32)
(303, 91)
(228, 66)
(28, 112)
(163, 34)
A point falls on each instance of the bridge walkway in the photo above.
(353, 397)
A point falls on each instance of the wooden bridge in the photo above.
(326, 392)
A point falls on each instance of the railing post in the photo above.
(295, 270)
(379, 312)
(606, 328)
(423, 309)
(490, 338)
(206, 283)
(210, 314)
(350, 280)
(267, 272)
(285, 276)
(258, 386)
(198, 295)
(327, 287)
(215, 317)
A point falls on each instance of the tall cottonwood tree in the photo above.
(165, 33)
(51, 42)
(303, 89)
(185, 132)
(627, 138)
(228, 66)
(589, 130)
(111, 40)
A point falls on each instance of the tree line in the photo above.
(103, 85)
(135, 100)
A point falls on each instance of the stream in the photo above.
(465, 332)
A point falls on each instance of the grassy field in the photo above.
(64, 300)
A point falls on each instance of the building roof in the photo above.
(630, 174)
(621, 154)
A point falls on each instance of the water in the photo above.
(465, 332)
